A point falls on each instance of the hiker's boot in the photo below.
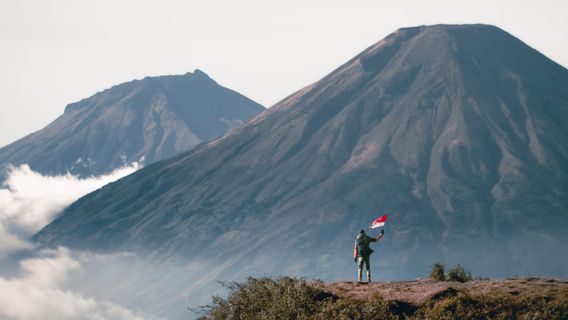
(360, 275)
(369, 276)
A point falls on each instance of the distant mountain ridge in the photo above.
(142, 120)
(457, 131)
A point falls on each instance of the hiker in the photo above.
(362, 252)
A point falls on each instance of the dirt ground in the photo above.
(420, 290)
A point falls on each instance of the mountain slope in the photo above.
(456, 131)
(143, 120)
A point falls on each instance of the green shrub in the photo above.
(265, 298)
(291, 298)
(438, 272)
(458, 273)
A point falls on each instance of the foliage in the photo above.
(438, 272)
(459, 274)
(285, 298)
(290, 298)
(463, 306)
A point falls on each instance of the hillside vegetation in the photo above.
(292, 298)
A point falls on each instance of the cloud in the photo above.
(10, 242)
(30, 200)
(37, 293)
(40, 287)
(158, 287)
(70, 284)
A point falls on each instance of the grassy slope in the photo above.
(289, 298)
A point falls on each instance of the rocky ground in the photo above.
(419, 291)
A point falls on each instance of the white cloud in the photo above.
(40, 289)
(10, 242)
(30, 200)
(68, 284)
(38, 293)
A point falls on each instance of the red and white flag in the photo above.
(379, 222)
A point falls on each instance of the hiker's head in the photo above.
(362, 232)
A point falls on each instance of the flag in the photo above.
(379, 222)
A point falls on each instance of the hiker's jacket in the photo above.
(362, 248)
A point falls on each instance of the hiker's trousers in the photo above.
(364, 260)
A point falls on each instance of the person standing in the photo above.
(362, 253)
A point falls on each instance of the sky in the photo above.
(56, 52)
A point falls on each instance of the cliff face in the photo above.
(456, 131)
(143, 120)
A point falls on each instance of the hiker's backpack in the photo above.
(363, 246)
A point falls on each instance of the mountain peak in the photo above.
(200, 73)
(477, 27)
(145, 83)
(152, 119)
(443, 26)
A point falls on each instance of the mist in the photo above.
(35, 284)
(60, 283)
(30, 200)
(39, 292)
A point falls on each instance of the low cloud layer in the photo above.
(41, 286)
(64, 284)
(37, 292)
(30, 200)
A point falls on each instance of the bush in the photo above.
(438, 272)
(458, 273)
(456, 306)
(265, 298)
(291, 298)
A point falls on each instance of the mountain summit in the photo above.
(143, 120)
(457, 131)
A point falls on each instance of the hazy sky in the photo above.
(56, 52)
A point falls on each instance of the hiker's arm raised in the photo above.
(380, 236)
